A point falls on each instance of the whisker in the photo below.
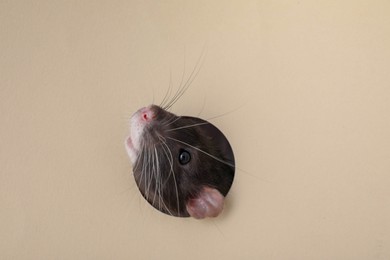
(224, 114)
(206, 153)
(216, 158)
(148, 173)
(153, 95)
(168, 123)
(168, 93)
(187, 126)
(165, 206)
(190, 79)
(156, 176)
(150, 176)
(182, 76)
(172, 121)
(161, 198)
(143, 166)
(170, 159)
(184, 68)
(140, 155)
(203, 106)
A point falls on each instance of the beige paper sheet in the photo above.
(304, 90)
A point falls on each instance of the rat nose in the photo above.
(147, 114)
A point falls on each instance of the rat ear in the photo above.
(208, 203)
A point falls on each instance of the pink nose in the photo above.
(147, 114)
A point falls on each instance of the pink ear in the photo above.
(208, 203)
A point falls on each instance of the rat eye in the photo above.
(184, 157)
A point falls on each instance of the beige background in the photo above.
(306, 85)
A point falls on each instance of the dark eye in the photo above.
(184, 157)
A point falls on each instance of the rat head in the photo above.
(183, 166)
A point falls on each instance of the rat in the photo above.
(182, 165)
